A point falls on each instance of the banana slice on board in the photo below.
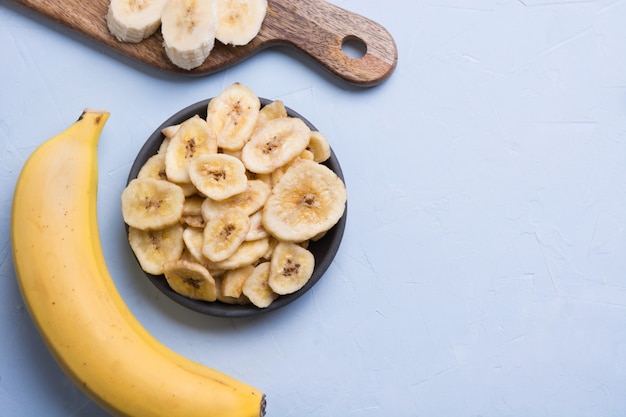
(188, 28)
(134, 20)
(308, 199)
(191, 280)
(150, 204)
(224, 233)
(233, 115)
(239, 21)
(218, 176)
(256, 287)
(153, 248)
(291, 268)
(192, 138)
(275, 143)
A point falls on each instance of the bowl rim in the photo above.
(324, 249)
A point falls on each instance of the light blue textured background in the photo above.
(483, 268)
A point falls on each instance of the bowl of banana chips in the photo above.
(235, 206)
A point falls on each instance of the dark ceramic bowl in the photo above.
(324, 249)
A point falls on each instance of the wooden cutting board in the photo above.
(315, 27)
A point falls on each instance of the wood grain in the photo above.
(316, 28)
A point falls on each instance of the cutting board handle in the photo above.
(321, 30)
(317, 28)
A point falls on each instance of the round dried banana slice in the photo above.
(218, 176)
(247, 253)
(256, 227)
(308, 199)
(154, 167)
(150, 204)
(191, 280)
(233, 280)
(224, 233)
(154, 248)
(192, 138)
(192, 211)
(275, 143)
(270, 111)
(193, 237)
(250, 201)
(233, 115)
(319, 146)
(256, 287)
(291, 268)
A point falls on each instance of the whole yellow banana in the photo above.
(76, 307)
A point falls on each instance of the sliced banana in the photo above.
(154, 167)
(150, 204)
(191, 280)
(192, 221)
(266, 178)
(192, 211)
(218, 176)
(307, 200)
(233, 115)
(239, 21)
(224, 233)
(193, 237)
(247, 253)
(270, 111)
(166, 141)
(134, 20)
(319, 146)
(250, 201)
(188, 28)
(257, 231)
(256, 287)
(307, 154)
(153, 248)
(291, 268)
(275, 143)
(233, 280)
(241, 300)
(169, 131)
(193, 138)
(193, 206)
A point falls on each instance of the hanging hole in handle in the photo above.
(353, 47)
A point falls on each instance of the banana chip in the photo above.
(218, 176)
(191, 280)
(291, 268)
(154, 248)
(151, 204)
(233, 115)
(307, 200)
(233, 280)
(250, 201)
(319, 146)
(224, 233)
(256, 287)
(192, 138)
(275, 143)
